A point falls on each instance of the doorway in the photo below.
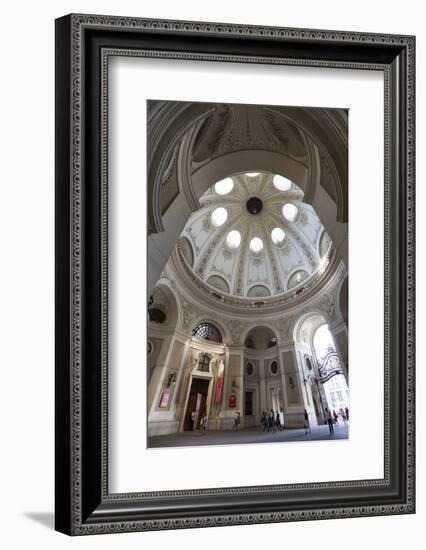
(197, 402)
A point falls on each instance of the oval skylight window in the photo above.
(277, 235)
(223, 187)
(233, 239)
(256, 244)
(281, 183)
(297, 278)
(290, 212)
(252, 174)
(219, 216)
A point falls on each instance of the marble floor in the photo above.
(248, 435)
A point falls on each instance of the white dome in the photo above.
(253, 237)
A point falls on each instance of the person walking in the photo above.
(263, 421)
(266, 425)
(193, 416)
(278, 422)
(306, 423)
(272, 420)
(329, 418)
(237, 421)
(335, 416)
(204, 425)
(343, 415)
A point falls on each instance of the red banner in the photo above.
(164, 400)
(219, 389)
(232, 403)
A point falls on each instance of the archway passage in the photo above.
(197, 404)
(322, 368)
(331, 371)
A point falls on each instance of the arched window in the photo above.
(297, 278)
(204, 363)
(207, 331)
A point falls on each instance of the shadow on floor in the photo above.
(47, 519)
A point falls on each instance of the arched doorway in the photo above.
(321, 366)
(205, 336)
(331, 371)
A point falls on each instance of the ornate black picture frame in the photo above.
(84, 44)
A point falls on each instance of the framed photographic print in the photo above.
(234, 273)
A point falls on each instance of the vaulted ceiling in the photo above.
(254, 237)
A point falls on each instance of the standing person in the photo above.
(306, 423)
(278, 422)
(263, 421)
(272, 420)
(204, 425)
(193, 416)
(343, 415)
(335, 416)
(266, 424)
(347, 413)
(236, 421)
(329, 418)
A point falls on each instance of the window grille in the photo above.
(207, 331)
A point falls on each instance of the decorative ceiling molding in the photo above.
(272, 266)
(200, 291)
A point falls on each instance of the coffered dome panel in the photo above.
(253, 236)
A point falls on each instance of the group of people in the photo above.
(271, 421)
(332, 417)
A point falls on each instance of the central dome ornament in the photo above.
(254, 205)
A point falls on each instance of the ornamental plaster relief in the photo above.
(241, 127)
(189, 313)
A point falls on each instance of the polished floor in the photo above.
(248, 435)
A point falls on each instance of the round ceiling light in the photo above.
(256, 245)
(277, 235)
(290, 212)
(223, 187)
(281, 183)
(233, 239)
(219, 216)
